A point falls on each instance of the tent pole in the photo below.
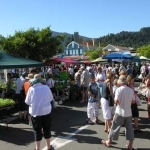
(43, 68)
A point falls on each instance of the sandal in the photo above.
(99, 122)
(129, 148)
(105, 143)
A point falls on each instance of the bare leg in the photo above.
(130, 145)
(106, 126)
(83, 95)
(86, 95)
(48, 144)
(20, 114)
(108, 122)
(37, 144)
(25, 114)
(136, 122)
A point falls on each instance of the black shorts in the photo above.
(83, 89)
(135, 111)
(20, 102)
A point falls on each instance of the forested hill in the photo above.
(128, 39)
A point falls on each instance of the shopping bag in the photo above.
(140, 76)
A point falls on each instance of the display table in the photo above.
(1, 115)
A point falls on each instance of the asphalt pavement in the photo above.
(70, 131)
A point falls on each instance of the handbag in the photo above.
(110, 100)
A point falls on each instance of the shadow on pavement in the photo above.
(16, 136)
(66, 120)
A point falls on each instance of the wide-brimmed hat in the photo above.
(122, 80)
(30, 76)
(38, 76)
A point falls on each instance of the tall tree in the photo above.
(144, 51)
(35, 44)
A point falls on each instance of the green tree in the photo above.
(94, 54)
(144, 51)
(35, 44)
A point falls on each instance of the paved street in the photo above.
(69, 131)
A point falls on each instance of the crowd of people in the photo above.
(108, 86)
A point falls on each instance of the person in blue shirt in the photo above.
(129, 70)
(93, 104)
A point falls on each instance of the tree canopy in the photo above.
(94, 54)
(127, 39)
(35, 44)
(144, 51)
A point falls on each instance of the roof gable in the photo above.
(114, 47)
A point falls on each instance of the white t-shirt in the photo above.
(100, 77)
(142, 69)
(124, 95)
(70, 70)
(50, 83)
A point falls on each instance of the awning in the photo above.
(117, 56)
(9, 61)
(99, 60)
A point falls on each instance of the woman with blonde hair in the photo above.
(122, 72)
(107, 95)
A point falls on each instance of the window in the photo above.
(81, 52)
(77, 52)
(70, 52)
(74, 52)
(66, 52)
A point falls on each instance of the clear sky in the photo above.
(92, 18)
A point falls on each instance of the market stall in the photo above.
(8, 62)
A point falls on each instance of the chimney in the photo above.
(93, 41)
(87, 44)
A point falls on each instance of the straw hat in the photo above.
(38, 76)
(30, 76)
(122, 80)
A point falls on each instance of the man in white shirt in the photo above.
(124, 97)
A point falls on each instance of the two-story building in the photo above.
(77, 49)
(117, 49)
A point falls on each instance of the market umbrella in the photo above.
(143, 58)
(117, 56)
(68, 61)
(99, 60)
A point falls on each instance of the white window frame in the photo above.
(81, 51)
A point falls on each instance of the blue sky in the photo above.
(92, 18)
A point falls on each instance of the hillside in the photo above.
(124, 38)
(128, 39)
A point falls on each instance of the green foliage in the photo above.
(6, 102)
(144, 51)
(128, 39)
(35, 44)
(94, 54)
